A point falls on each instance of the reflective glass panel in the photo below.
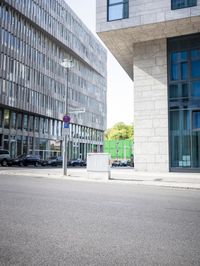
(1, 117)
(174, 72)
(25, 127)
(184, 101)
(117, 9)
(195, 89)
(115, 1)
(19, 121)
(6, 118)
(180, 139)
(13, 120)
(184, 71)
(196, 69)
(195, 149)
(176, 4)
(196, 120)
(195, 54)
(116, 12)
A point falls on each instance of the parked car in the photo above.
(5, 158)
(117, 163)
(123, 163)
(130, 163)
(77, 162)
(53, 161)
(27, 159)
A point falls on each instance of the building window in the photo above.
(31, 123)
(195, 63)
(184, 99)
(177, 4)
(19, 121)
(37, 124)
(13, 120)
(117, 9)
(25, 123)
(6, 118)
(196, 120)
(1, 117)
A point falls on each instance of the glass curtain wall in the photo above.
(184, 102)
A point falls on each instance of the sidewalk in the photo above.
(119, 175)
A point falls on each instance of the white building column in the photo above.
(150, 106)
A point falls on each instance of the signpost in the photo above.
(66, 121)
(67, 64)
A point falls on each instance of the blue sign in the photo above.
(65, 125)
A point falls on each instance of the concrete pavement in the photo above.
(124, 175)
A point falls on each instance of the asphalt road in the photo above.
(59, 222)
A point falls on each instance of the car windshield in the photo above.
(53, 157)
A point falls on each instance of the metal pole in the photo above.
(117, 146)
(66, 64)
(125, 152)
(65, 146)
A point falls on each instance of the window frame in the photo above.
(122, 2)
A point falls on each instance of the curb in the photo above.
(168, 184)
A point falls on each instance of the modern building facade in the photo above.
(35, 37)
(158, 44)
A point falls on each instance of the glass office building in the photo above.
(35, 37)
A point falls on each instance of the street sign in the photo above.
(66, 118)
(65, 125)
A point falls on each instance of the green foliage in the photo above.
(119, 131)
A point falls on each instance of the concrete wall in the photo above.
(148, 20)
(150, 106)
(142, 13)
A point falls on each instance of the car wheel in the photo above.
(36, 164)
(4, 163)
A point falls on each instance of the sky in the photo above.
(119, 85)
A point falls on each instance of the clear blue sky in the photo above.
(120, 86)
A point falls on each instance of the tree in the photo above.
(119, 131)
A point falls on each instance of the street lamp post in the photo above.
(67, 63)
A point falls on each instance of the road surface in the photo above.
(60, 222)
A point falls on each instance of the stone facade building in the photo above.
(35, 37)
(158, 44)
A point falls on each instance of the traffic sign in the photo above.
(66, 118)
(65, 125)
